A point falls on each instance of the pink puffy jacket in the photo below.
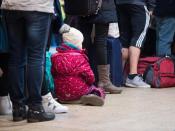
(71, 72)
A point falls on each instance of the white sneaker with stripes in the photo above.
(51, 105)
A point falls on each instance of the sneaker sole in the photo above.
(134, 86)
(92, 100)
(59, 111)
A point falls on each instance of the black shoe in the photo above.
(37, 114)
(19, 113)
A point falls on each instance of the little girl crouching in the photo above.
(73, 76)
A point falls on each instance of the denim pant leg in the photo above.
(38, 26)
(165, 32)
(17, 56)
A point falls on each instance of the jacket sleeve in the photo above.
(86, 73)
(151, 4)
(88, 77)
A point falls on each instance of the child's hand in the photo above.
(1, 72)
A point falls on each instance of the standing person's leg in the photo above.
(17, 62)
(101, 33)
(140, 21)
(49, 103)
(3, 79)
(125, 31)
(37, 32)
(165, 31)
(5, 103)
(86, 29)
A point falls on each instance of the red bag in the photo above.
(159, 72)
(142, 65)
(145, 62)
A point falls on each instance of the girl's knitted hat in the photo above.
(72, 36)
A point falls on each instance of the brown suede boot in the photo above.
(104, 80)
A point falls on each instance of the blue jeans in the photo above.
(27, 36)
(165, 32)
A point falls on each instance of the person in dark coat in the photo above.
(165, 17)
(106, 15)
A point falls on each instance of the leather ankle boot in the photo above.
(104, 80)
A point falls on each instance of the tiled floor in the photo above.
(133, 110)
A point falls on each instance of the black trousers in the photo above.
(100, 39)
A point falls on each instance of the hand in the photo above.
(64, 28)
